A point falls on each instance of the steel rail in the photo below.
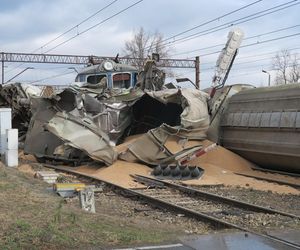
(218, 198)
(270, 180)
(273, 171)
(215, 197)
(173, 207)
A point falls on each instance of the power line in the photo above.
(256, 55)
(210, 21)
(97, 24)
(246, 38)
(76, 26)
(251, 61)
(239, 68)
(234, 22)
(253, 44)
(67, 31)
(51, 77)
(269, 53)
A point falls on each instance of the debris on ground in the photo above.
(68, 190)
(47, 176)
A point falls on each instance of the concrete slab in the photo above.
(236, 241)
(229, 241)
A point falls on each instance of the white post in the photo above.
(5, 123)
(11, 151)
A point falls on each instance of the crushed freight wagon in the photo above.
(62, 124)
(109, 102)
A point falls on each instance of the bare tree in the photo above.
(294, 74)
(287, 67)
(143, 44)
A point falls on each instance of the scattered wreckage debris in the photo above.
(68, 190)
(182, 171)
(177, 172)
(47, 176)
(109, 102)
(84, 122)
(17, 97)
(87, 199)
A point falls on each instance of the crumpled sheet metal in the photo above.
(154, 148)
(83, 134)
(151, 77)
(195, 117)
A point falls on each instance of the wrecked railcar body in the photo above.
(263, 126)
(106, 116)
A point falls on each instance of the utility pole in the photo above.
(269, 77)
(2, 61)
(197, 71)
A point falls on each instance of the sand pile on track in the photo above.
(220, 166)
(118, 173)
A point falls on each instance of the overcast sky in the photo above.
(26, 25)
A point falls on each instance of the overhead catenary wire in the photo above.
(247, 62)
(253, 44)
(77, 25)
(210, 21)
(255, 55)
(51, 77)
(234, 22)
(246, 38)
(243, 67)
(239, 63)
(67, 31)
(94, 26)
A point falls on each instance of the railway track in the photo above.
(214, 209)
(268, 179)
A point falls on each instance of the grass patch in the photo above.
(29, 220)
(123, 235)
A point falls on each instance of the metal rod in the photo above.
(18, 74)
(2, 60)
(197, 71)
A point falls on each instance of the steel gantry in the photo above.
(84, 60)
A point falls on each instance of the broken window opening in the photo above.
(121, 80)
(94, 79)
(149, 113)
(80, 78)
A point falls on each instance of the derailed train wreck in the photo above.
(86, 121)
(110, 102)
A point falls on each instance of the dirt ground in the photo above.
(32, 216)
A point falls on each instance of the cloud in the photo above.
(27, 25)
